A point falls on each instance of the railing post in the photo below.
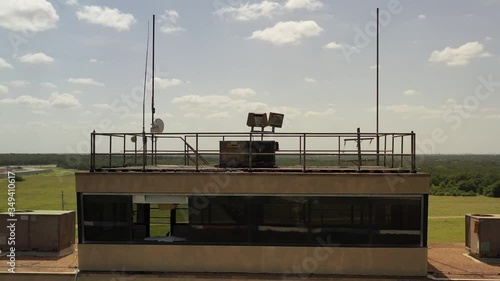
(92, 151)
(250, 152)
(196, 152)
(385, 150)
(304, 163)
(339, 152)
(392, 151)
(300, 150)
(402, 142)
(156, 151)
(135, 150)
(186, 162)
(110, 144)
(413, 152)
(144, 151)
(124, 148)
(359, 150)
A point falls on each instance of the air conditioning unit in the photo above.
(49, 232)
(236, 154)
(482, 235)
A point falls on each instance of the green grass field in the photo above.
(447, 230)
(459, 206)
(43, 192)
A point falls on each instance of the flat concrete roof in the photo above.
(279, 169)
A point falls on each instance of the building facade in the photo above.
(298, 219)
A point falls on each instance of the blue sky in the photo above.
(69, 67)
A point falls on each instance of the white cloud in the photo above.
(169, 29)
(372, 67)
(169, 20)
(290, 112)
(422, 17)
(201, 101)
(27, 16)
(39, 112)
(460, 55)
(63, 101)
(411, 93)
(36, 124)
(48, 85)
(191, 115)
(310, 5)
(103, 106)
(18, 83)
(4, 89)
(92, 60)
(27, 101)
(422, 111)
(170, 16)
(328, 112)
(106, 16)
(265, 9)
(492, 117)
(246, 12)
(4, 64)
(290, 32)
(37, 58)
(71, 2)
(85, 81)
(488, 38)
(242, 92)
(310, 80)
(163, 83)
(56, 100)
(333, 45)
(87, 113)
(219, 115)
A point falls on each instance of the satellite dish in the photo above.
(133, 138)
(158, 126)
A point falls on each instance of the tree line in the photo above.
(451, 175)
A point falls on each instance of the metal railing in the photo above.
(306, 151)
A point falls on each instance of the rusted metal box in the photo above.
(238, 154)
(38, 231)
(482, 235)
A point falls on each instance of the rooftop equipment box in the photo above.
(236, 154)
(482, 237)
(39, 231)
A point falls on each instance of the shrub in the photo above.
(19, 178)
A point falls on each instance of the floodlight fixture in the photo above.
(257, 120)
(276, 120)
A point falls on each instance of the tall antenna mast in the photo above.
(145, 81)
(378, 66)
(153, 97)
(153, 82)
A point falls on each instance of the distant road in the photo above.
(448, 217)
(25, 170)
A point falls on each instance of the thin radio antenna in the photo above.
(145, 81)
(378, 66)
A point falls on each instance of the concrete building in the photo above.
(314, 204)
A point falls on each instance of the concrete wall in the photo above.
(254, 183)
(255, 259)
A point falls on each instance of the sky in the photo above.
(68, 67)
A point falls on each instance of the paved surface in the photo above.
(448, 260)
